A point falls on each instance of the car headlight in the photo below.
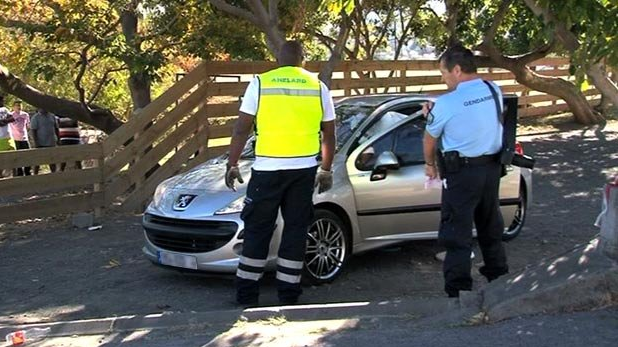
(233, 207)
(159, 194)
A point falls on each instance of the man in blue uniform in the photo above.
(464, 127)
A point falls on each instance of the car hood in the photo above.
(205, 184)
(209, 177)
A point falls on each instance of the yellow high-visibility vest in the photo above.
(289, 114)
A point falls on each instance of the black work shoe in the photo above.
(492, 274)
(246, 302)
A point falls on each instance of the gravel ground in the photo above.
(51, 271)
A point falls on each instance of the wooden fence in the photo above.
(192, 121)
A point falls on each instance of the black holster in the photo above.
(449, 162)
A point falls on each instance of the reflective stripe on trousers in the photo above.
(289, 270)
(250, 268)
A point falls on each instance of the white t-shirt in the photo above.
(4, 130)
(249, 106)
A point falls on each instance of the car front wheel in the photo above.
(328, 248)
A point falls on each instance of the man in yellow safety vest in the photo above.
(290, 108)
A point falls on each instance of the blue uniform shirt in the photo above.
(465, 120)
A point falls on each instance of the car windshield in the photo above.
(350, 112)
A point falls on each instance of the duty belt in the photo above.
(483, 159)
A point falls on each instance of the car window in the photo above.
(367, 159)
(406, 142)
(408, 145)
(348, 118)
(385, 121)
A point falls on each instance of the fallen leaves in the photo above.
(113, 263)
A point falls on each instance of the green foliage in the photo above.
(202, 31)
(595, 27)
(521, 31)
(337, 6)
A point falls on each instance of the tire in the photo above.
(520, 216)
(328, 248)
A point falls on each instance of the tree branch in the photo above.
(235, 11)
(565, 36)
(86, 38)
(538, 53)
(100, 118)
(103, 81)
(430, 10)
(344, 31)
(83, 65)
(404, 32)
(498, 18)
(383, 32)
(331, 42)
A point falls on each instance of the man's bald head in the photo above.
(291, 54)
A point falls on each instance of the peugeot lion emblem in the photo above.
(183, 201)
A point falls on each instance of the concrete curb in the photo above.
(416, 308)
(582, 278)
(129, 323)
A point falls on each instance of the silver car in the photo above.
(379, 197)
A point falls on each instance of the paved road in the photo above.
(584, 329)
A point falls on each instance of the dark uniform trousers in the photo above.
(21, 171)
(292, 191)
(471, 195)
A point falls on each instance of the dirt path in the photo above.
(49, 271)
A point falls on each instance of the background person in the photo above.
(19, 134)
(44, 131)
(470, 134)
(289, 107)
(68, 134)
(5, 138)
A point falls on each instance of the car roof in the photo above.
(377, 99)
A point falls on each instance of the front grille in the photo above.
(186, 235)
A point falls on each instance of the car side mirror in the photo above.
(386, 161)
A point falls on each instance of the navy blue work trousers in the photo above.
(267, 192)
(471, 196)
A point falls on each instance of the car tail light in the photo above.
(519, 149)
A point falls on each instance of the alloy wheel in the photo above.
(326, 248)
(518, 220)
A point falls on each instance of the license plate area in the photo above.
(177, 260)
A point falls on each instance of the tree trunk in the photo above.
(139, 82)
(326, 74)
(274, 39)
(604, 84)
(452, 11)
(139, 85)
(100, 118)
(582, 111)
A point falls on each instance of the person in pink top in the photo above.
(19, 133)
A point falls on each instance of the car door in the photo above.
(396, 206)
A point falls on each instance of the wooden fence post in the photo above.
(347, 78)
(99, 187)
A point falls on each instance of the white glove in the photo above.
(323, 180)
